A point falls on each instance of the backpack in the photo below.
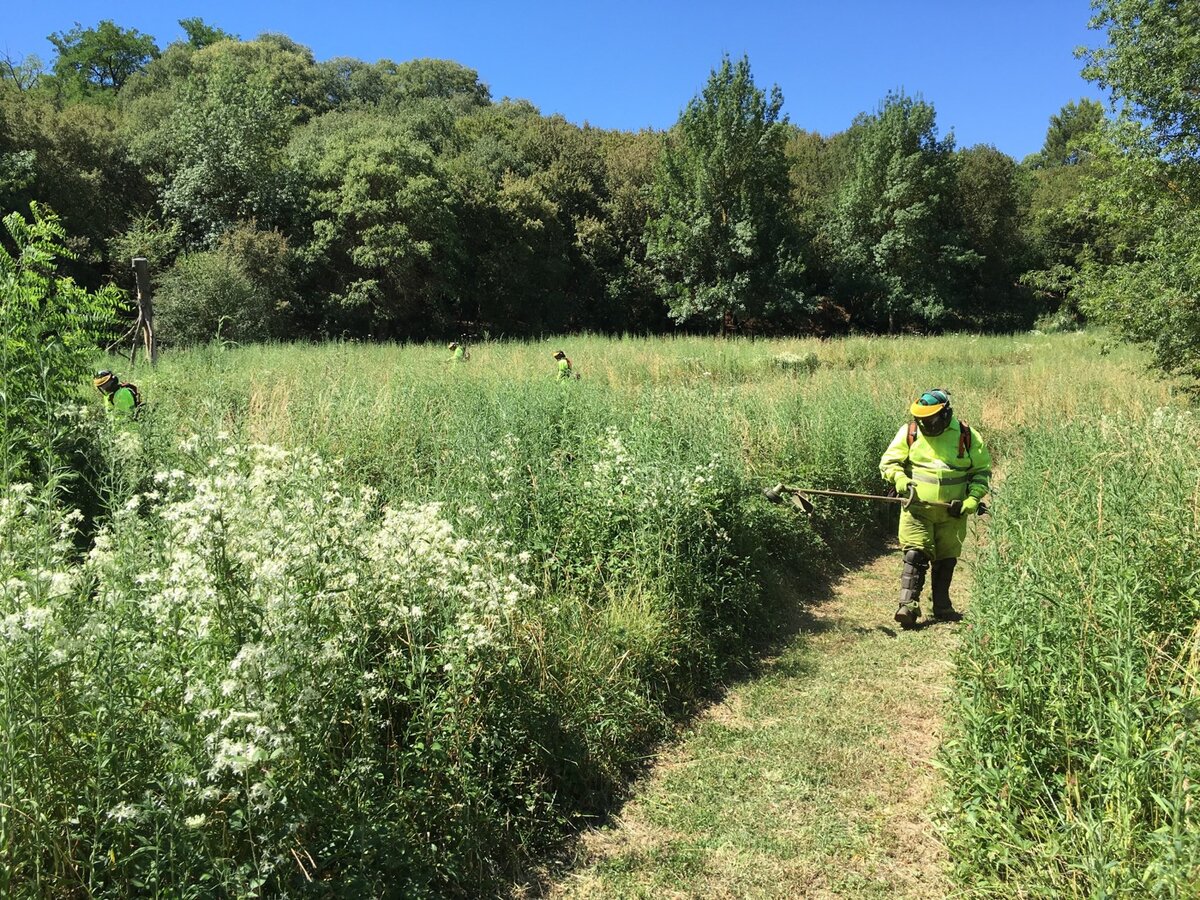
(964, 436)
(137, 397)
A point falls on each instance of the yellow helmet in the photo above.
(932, 412)
(105, 381)
(929, 403)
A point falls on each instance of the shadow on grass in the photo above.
(797, 593)
(801, 594)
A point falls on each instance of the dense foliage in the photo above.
(412, 205)
(898, 246)
(49, 329)
(1137, 207)
(722, 243)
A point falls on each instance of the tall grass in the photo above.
(402, 666)
(355, 621)
(1073, 755)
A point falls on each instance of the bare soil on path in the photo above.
(814, 779)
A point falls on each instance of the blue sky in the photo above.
(995, 71)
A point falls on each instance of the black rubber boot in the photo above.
(912, 579)
(943, 574)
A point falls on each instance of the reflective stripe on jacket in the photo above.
(935, 467)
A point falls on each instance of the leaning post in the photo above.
(144, 328)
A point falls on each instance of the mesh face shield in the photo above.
(105, 382)
(934, 425)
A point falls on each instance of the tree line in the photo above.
(277, 196)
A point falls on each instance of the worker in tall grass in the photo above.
(942, 460)
(121, 396)
(565, 371)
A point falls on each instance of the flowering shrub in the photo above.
(286, 672)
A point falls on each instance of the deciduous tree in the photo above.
(380, 231)
(991, 199)
(200, 34)
(721, 241)
(1149, 286)
(1069, 133)
(101, 58)
(1062, 228)
(898, 248)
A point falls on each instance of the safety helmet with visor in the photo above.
(932, 412)
(105, 381)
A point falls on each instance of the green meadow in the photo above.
(352, 620)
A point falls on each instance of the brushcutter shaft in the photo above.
(903, 501)
(800, 497)
(775, 495)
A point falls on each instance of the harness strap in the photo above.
(964, 438)
(912, 432)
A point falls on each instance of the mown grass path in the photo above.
(812, 780)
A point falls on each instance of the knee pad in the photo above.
(912, 578)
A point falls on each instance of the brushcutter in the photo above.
(800, 499)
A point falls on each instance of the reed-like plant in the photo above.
(1073, 756)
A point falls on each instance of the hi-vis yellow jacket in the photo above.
(948, 467)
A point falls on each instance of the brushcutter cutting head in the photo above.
(802, 503)
(777, 493)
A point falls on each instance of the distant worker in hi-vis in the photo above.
(121, 396)
(565, 371)
(457, 352)
(942, 461)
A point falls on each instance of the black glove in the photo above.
(955, 509)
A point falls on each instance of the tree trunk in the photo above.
(144, 328)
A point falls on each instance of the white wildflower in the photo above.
(123, 812)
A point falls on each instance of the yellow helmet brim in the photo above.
(922, 412)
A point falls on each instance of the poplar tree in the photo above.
(897, 241)
(722, 243)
